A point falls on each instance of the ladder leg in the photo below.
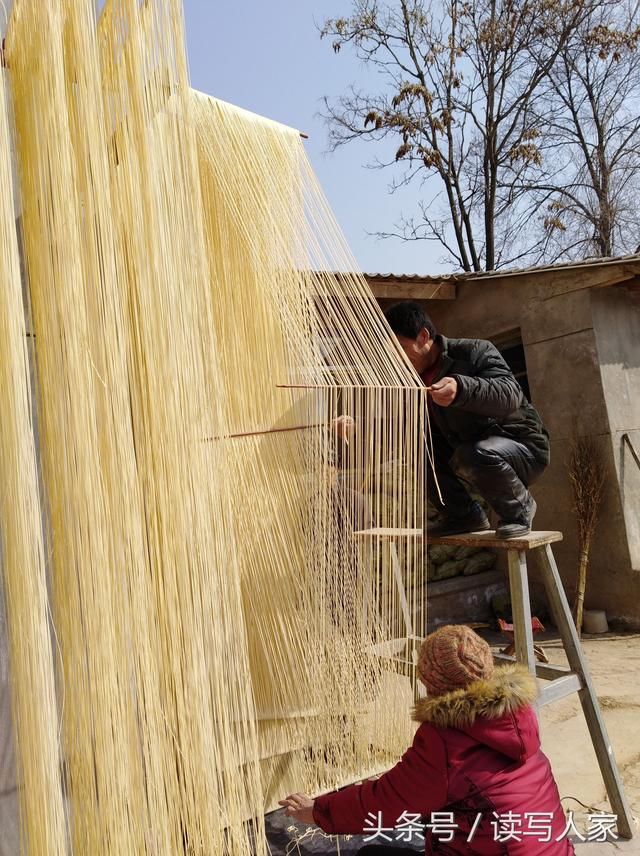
(577, 661)
(521, 608)
(408, 622)
(402, 593)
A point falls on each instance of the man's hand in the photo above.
(299, 807)
(344, 427)
(444, 391)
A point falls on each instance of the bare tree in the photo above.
(592, 137)
(459, 88)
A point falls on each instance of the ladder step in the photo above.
(561, 687)
(546, 671)
(562, 681)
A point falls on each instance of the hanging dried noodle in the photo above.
(234, 589)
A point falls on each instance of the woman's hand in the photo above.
(299, 807)
(343, 427)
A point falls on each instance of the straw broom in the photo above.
(586, 474)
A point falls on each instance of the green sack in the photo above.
(481, 561)
(440, 553)
(452, 568)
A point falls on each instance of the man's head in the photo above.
(415, 332)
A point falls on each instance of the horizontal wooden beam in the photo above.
(598, 277)
(389, 532)
(545, 671)
(399, 289)
(262, 431)
(562, 681)
(562, 279)
(558, 689)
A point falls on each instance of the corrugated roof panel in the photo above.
(468, 276)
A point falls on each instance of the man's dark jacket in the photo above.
(489, 402)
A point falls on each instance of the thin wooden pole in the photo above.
(344, 386)
(266, 431)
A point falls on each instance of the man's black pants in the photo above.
(497, 468)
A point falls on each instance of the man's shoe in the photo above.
(518, 528)
(475, 521)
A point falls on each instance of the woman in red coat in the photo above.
(475, 774)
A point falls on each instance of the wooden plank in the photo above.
(521, 608)
(555, 690)
(587, 695)
(489, 540)
(389, 532)
(399, 289)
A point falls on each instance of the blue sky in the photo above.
(267, 56)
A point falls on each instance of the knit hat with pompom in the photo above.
(453, 657)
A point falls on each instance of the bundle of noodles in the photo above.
(235, 589)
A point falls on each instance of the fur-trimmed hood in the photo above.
(496, 712)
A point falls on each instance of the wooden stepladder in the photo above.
(559, 681)
(401, 652)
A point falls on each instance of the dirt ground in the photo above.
(614, 660)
